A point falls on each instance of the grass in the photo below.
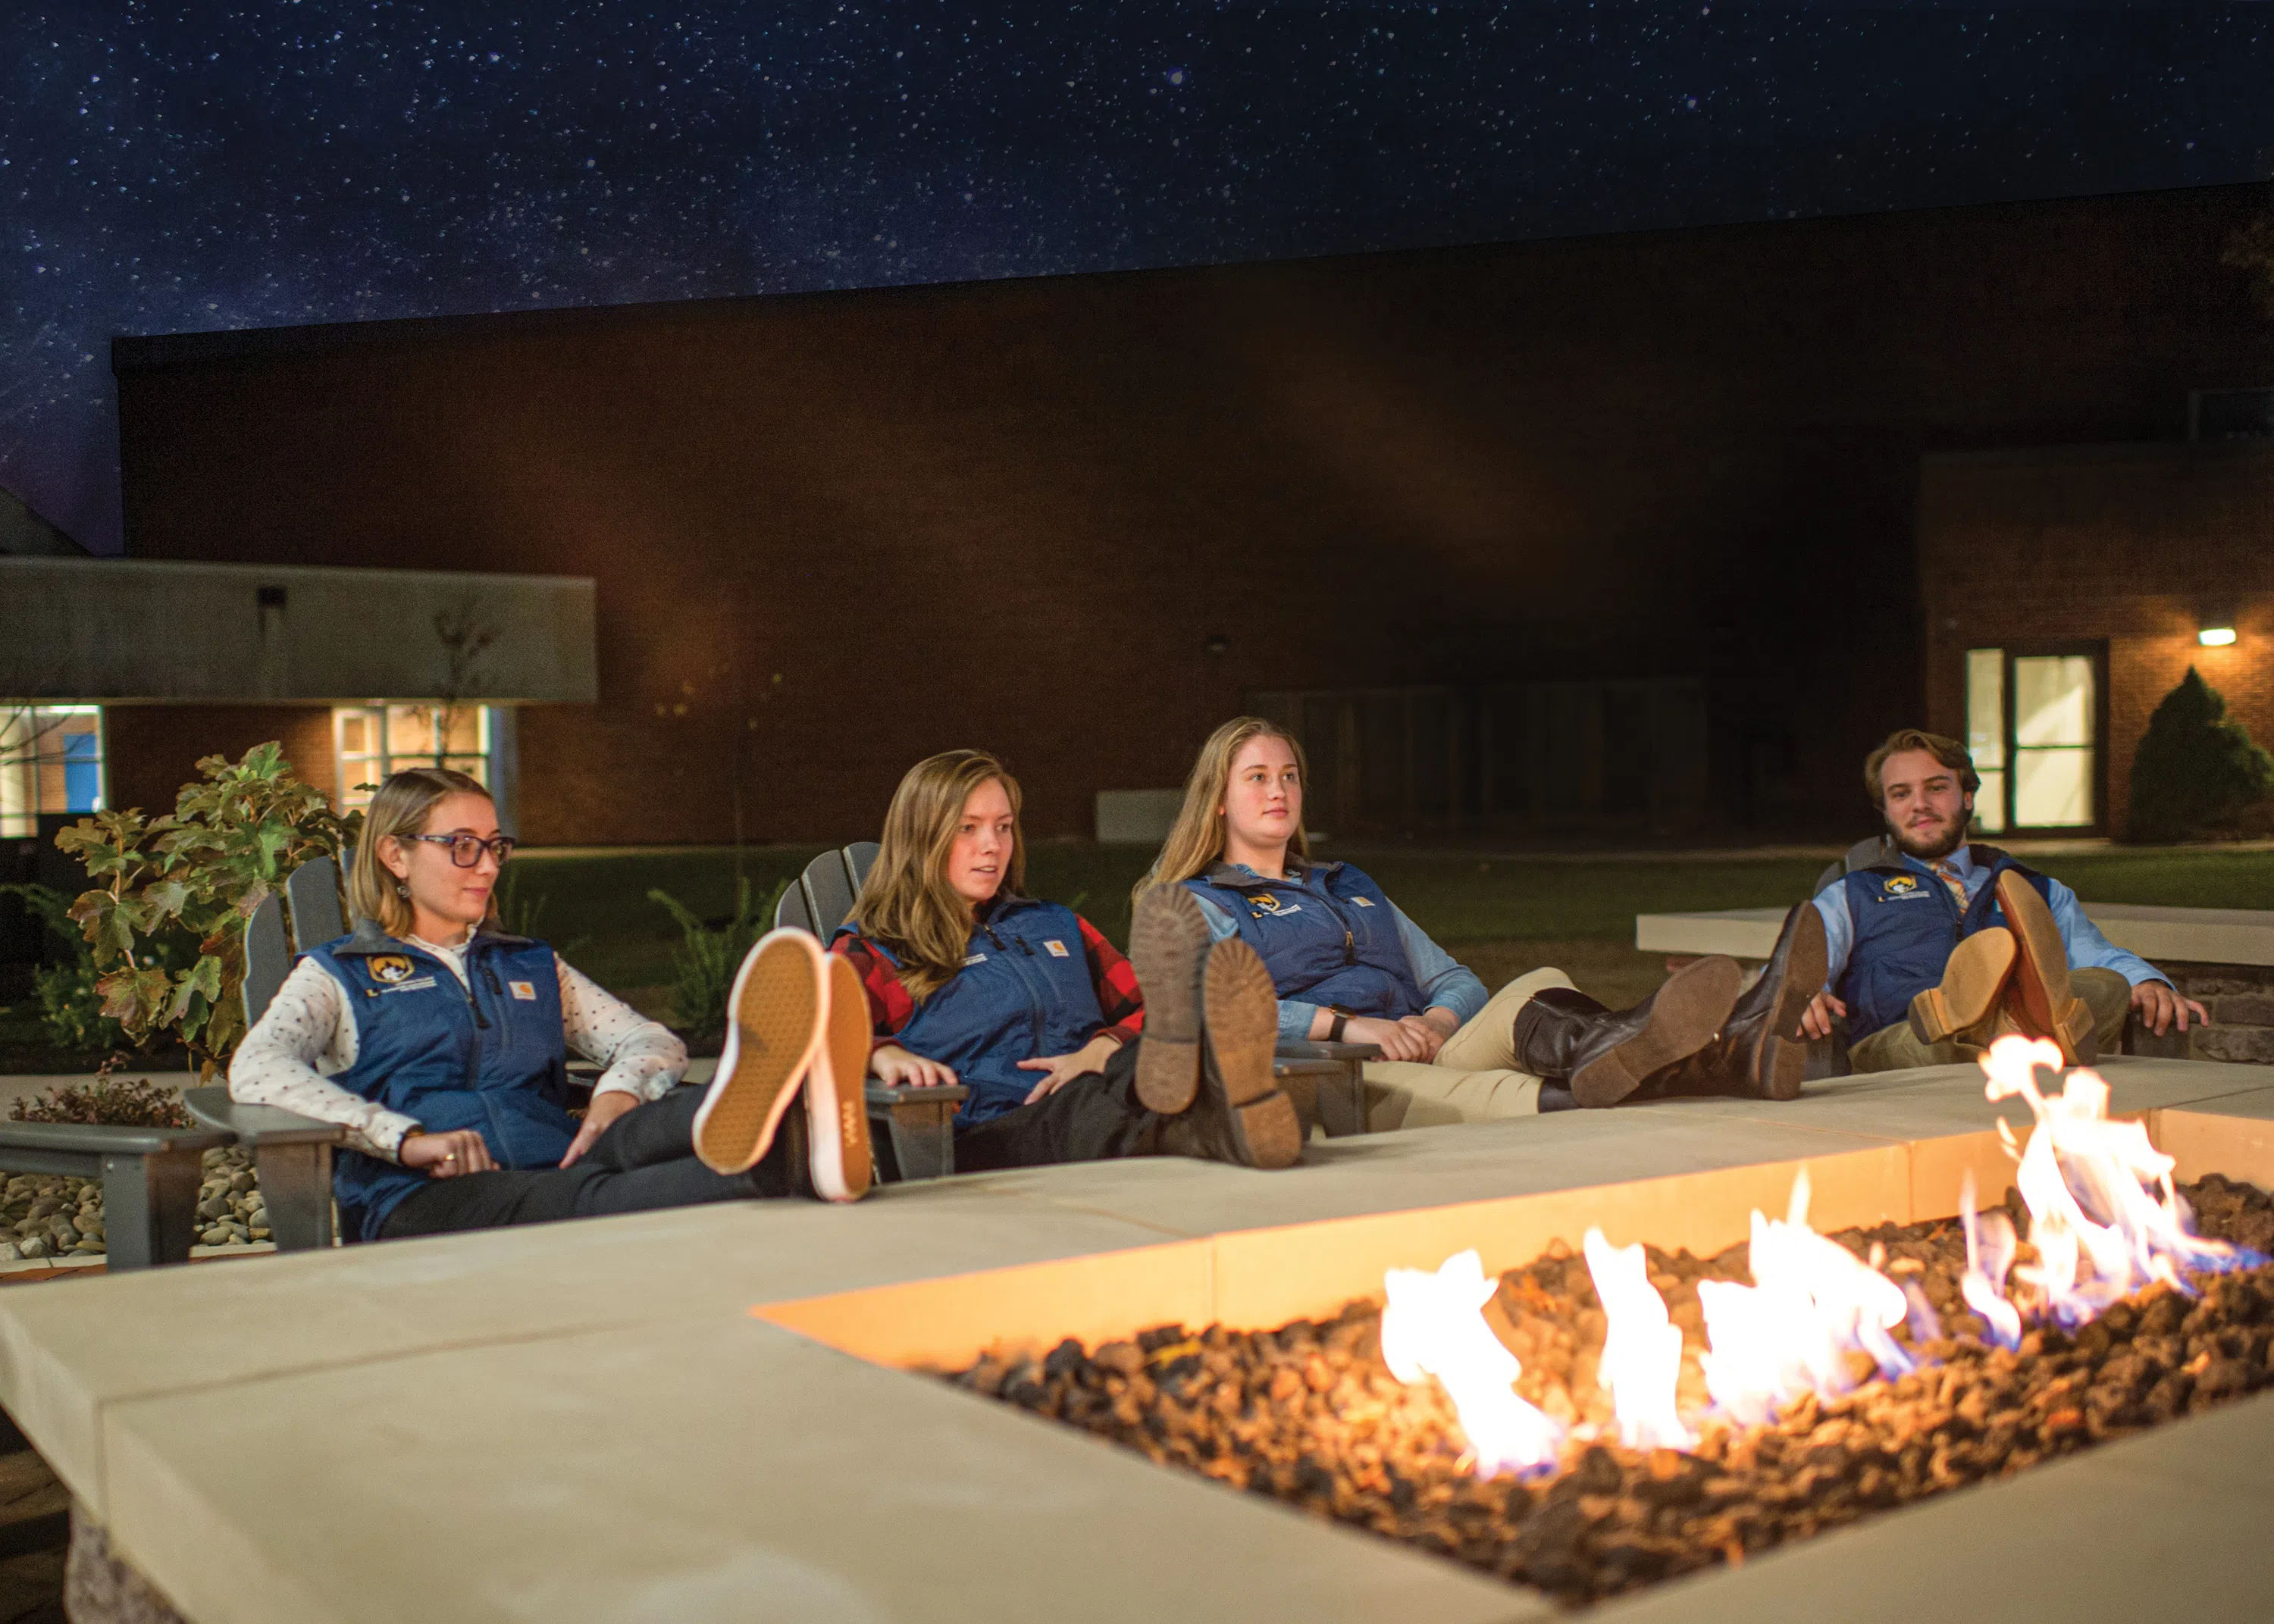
(595, 908)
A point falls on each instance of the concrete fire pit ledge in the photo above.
(657, 1418)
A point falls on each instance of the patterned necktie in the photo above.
(1948, 875)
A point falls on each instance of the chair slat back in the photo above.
(313, 893)
(267, 956)
(828, 893)
(794, 911)
(860, 857)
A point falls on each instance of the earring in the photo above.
(401, 890)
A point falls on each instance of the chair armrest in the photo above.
(1307, 1049)
(259, 1124)
(882, 1094)
(96, 1140)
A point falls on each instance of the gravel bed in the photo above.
(1310, 1413)
(55, 1216)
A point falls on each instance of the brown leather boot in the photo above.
(1237, 1112)
(2049, 1008)
(1563, 1035)
(1974, 980)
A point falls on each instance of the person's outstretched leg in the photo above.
(1486, 1040)
(1096, 1118)
(1602, 1055)
(659, 1131)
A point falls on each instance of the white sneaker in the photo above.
(774, 1020)
(836, 1091)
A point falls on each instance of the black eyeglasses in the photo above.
(466, 849)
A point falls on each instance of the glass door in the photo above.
(2033, 727)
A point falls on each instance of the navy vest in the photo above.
(491, 1059)
(1331, 941)
(1906, 924)
(1024, 993)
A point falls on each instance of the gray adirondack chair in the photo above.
(1324, 1080)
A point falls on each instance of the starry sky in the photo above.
(179, 167)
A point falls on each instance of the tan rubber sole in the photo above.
(2041, 970)
(773, 1021)
(1241, 1015)
(836, 1098)
(1168, 939)
(1684, 1016)
(1973, 980)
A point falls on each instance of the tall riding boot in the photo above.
(1604, 1055)
(2049, 1007)
(1761, 1051)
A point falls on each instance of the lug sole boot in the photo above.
(2040, 973)
(775, 1018)
(1168, 940)
(1973, 984)
(836, 1091)
(1239, 1113)
(1762, 1052)
(1603, 1056)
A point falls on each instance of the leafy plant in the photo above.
(2196, 771)
(112, 1100)
(703, 967)
(166, 921)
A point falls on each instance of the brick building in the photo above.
(2139, 560)
(1613, 536)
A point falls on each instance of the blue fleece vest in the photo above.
(1332, 940)
(1024, 993)
(1906, 923)
(491, 1059)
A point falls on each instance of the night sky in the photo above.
(168, 168)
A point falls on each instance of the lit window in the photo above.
(50, 761)
(2053, 736)
(370, 741)
(1985, 734)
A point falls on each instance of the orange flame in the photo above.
(1432, 1327)
(1642, 1348)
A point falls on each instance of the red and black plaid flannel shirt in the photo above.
(892, 1008)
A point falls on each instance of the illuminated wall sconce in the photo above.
(2215, 637)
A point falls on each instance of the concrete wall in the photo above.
(836, 533)
(2139, 546)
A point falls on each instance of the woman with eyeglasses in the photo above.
(439, 1042)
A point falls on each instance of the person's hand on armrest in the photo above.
(445, 1155)
(607, 1105)
(1824, 1009)
(1397, 1040)
(2159, 1005)
(896, 1068)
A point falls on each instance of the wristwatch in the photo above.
(1335, 1026)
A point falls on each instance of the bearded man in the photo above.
(1936, 947)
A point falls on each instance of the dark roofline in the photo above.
(159, 352)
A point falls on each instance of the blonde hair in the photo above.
(401, 807)
(1197, 841)
(906, 903)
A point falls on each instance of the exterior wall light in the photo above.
(2215, 637)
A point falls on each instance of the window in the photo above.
(370, 741)
(50, 761)
(2032, 725)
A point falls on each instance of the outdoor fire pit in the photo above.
(1602, 1417)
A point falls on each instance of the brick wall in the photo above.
(835, 533)
(2139, 546)
(152, 750)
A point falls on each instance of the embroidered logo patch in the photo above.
(1898, 883)
(526, 991)
(972, 959)
(1055, 947)
(1363, 902)
(389, 967)
(420, 985)
(1263, 904)
(1902, 888)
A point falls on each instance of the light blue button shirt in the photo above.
(2088, 949)
(1445, 983)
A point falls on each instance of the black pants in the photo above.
(643, 1161)
(1096, 1117)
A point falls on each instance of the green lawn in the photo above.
(595, 908)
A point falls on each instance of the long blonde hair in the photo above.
(906, 903)
(1197, 841)
(401, 807)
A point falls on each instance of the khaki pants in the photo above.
(1474, 1077)
(1892, 1048)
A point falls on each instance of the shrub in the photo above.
(110, 1101)
(703, 967)
(71, 1004)
(166, 925)
(2197, 772)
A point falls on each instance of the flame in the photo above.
(1432, 1327)
(1990, 1248)
(1642, 1348)
(2099, 1233)
(1812, 1302)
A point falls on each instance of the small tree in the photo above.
(2196, 771)
(189, 880)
